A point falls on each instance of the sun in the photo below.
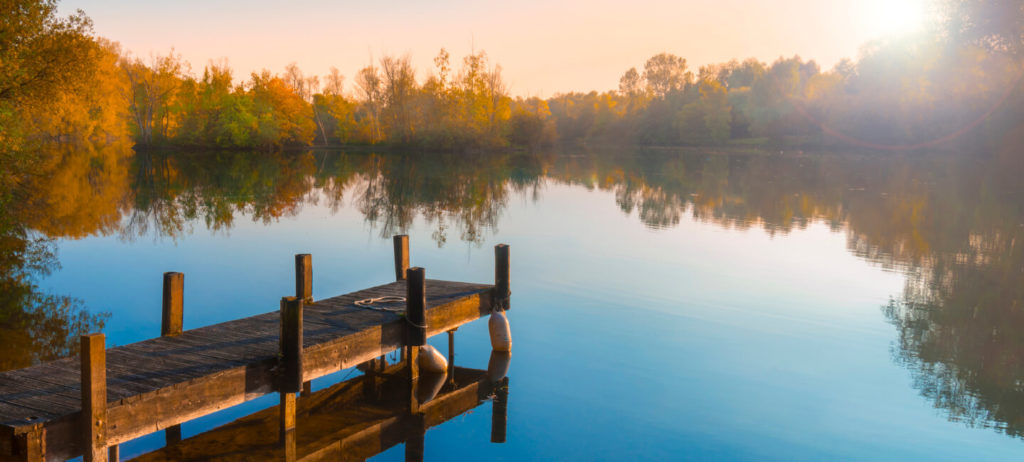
(887, 18)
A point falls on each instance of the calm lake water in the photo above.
(666, 305)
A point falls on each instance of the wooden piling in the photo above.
(94, 397)
(304, 291)
(502, 289)
(173, 306)
(291, 345)
(173, 313)
(416, 307)
(114, 453)
(401, 256)
(499, 412)
(304, 277)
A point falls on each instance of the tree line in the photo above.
(957, 85)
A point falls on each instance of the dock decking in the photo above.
(160, 383)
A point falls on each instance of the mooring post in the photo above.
(304, 291)
(416, 328)
(291, 365)
(291, 344)
(401, 256)
(501, 278)
(173, 312)
(499, 411)
(304, 277)
(94, 397)
(416, 308)
(174, 302)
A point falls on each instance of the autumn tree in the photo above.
(666, 73)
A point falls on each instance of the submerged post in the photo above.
(401, 256)
(501, 277)
(499, 412)
(173, 306)
(94, 397)
(173, 311)
(304, 277)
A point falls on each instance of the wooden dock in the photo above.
(89, 404)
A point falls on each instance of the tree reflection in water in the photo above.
(952, 224)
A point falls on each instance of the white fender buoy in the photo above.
(497, 367)
(501, 333)
(431, 360)
(429, 385)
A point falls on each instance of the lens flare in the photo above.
(896, 17)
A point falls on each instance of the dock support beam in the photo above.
(173, 313)
(401, 256)
(499, 411)
(414, 445)
(501, 278)
(94, 397)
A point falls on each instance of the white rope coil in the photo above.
(369, 303)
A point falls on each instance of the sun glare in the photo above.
(895, 17)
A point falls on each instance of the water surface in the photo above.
(666, 304)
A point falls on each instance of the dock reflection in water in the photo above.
(357, 418)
